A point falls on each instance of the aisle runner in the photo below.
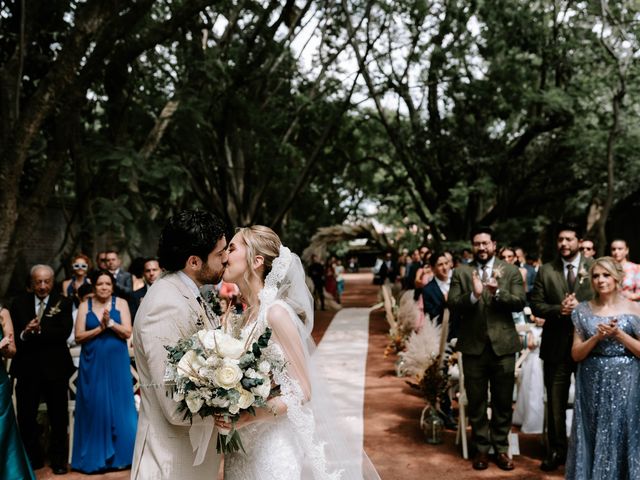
(342, 358)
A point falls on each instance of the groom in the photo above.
(193, 250)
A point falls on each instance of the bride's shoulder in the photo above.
(278, 315)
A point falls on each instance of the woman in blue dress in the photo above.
(14, 464)
(105, 416)
(605, 437)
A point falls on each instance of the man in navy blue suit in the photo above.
(434, 294)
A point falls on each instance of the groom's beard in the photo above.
(209, 276)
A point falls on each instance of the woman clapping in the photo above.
(106, 417)
(605, 438)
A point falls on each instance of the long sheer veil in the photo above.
(286, 284)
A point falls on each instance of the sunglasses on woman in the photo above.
(80, 266)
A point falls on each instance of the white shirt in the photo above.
(575, 262)
(444, 286)
(189, 283)
(488, 267)
(37, 301)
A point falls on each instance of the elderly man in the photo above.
(42, 366)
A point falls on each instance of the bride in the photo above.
(293, 438)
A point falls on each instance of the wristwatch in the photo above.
(495, 295)
(110, 323)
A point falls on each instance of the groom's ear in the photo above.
(193, 262)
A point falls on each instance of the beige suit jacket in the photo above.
(169, 311)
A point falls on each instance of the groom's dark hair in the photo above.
(189, 232)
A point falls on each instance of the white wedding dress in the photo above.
(308, 441)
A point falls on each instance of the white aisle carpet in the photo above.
(342, 358)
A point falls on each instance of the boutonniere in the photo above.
(498, 272)
(54, 310)
(582, 274)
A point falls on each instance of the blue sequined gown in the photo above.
(14, 464)
(106, 417)
(605, 436)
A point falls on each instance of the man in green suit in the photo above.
(484, 294)
(559, 287)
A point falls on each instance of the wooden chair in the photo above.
(461, 433)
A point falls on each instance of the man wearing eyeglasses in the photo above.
(483, 294)
(587, 248)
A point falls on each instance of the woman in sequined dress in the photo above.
(605, 437)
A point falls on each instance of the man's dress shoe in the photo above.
(552, 462)
(481, 461)
(59, 470)
(504, 462)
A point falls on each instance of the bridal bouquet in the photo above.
(214, 372)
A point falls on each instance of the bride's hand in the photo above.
(222, 423)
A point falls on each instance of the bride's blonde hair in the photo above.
(262, 241)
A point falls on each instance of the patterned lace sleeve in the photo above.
(578, 319)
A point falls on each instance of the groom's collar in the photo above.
(188, 281)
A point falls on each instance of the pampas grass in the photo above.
(422, 349)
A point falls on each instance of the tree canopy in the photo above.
(301, 114)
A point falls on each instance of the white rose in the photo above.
(194, 401)
(233, 409)
(227, 346)
(178, 396)
(246, 398)
(207, 338)
(190, 364)
(214, 361)
(262, 390)
(218, 402)
(264, 366)
(228, 375)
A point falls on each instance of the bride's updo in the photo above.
(263, 241)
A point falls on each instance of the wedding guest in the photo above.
(106, 418)
(339, 271)
(559, 287)
(101, 261)
(588, 248)
(508, 254)
(14, 463)
(150, 272)
(136, 269)
(631, 281)
(389, 269)
(124, 282)
(435, 293)
(605, 442)
(84, 292)
(42, 366)
(316, 272)
(81, 266)
(484, 294)
(330, 284)
(529, 409)
(424, 274)
(410, 272)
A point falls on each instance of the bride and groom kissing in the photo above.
(293, 438)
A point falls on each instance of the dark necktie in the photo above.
(41, 308)
(571, 278)
(485, 274)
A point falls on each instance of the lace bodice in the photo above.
(586, 324)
